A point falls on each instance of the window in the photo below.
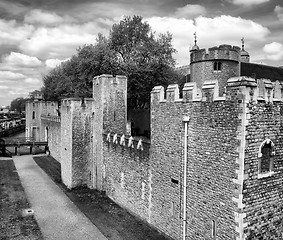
(266, 154)
(213, 229)
(217, 66)
(33, 115)
(174, 181)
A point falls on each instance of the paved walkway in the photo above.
(57, 217)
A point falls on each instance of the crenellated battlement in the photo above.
(254, 90)
(222, 52)
(107, 79)
(75, 102)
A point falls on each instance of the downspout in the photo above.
(186, 120)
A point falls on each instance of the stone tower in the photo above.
(110, 116)
(218, 63)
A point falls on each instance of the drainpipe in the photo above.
(186, 120)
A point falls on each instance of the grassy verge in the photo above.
(13, 200)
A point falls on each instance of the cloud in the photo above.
(274, 51)
(230, 29)
(249, 2)
(12, 33)
(19, 91)
(32, 80)
(190, 11)
(218, 30)
(3, 87)
(10, 76)
(13, 9)
(279, 11)
(38, 16)
(62, 41)
(52, 63)
(21, 60)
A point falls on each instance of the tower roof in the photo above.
(243, 52)
(195, 47)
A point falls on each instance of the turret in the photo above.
(218, 63)
(245, 57)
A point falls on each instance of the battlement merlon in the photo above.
(256, 90)
(75, 103)
(251, 89)
(105, 79)
(223, 52)
(209, 92)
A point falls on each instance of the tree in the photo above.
(132, 49)
(73, 78)
(18, 104)
(146, 60)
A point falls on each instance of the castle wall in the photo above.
(262, 196)
(221, 191)
(34, 110)
(53, 125)
(126, 177)
(76, 137)
(211, 158)
(110, 115)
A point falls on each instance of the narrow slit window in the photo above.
(174, 181)
(266, 155)
(217, 66)
(213, 229)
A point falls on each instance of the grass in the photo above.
(13, 200)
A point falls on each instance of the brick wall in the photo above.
(212, 153)
(262, 197)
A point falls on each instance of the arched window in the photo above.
(217, 66)
(266, 154)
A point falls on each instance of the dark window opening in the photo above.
(33, 115)
(217, 66)
(114, 115)
(266, 160)
(213, 229)
(174, 181)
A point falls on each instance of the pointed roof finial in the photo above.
(243, 43)
(195, 47)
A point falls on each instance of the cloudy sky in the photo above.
(35, 35)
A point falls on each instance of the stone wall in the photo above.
(263, 193)
(34, 110)
(126, 175)
(110, 115)
(76, 141)
(211, 163)
(52, 124)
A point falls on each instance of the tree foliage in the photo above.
(18, 104)
(132, 49)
